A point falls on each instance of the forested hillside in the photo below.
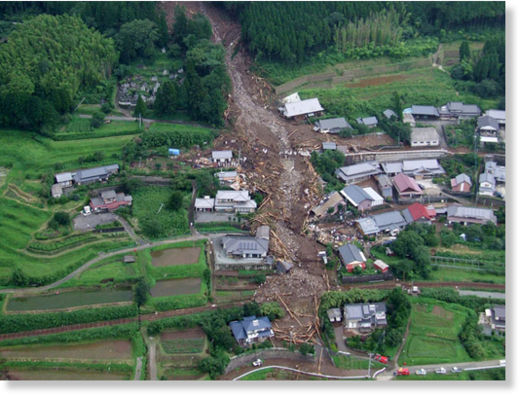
(291, 31)
(46, 60)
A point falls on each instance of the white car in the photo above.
(441, 370)
(502, 363)
(257, 362)
(456, 369)
(421, 371)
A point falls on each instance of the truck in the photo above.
(403, 372)
(86, 210)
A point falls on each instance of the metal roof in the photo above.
(206, 202)
(355, 194)
(63, 177)
(329, 124)
(360, 169)
(497, 114)
(239, 245)
(424, 134)
(368, 225)
(425, 110)
(373, 194)
(393, 167)
(487, 177)
(329, 145)
(371, 120)
(471, 212)
(350, 253)
(382, 265)
(234, 195)
(303, 107)
(222, 154)
(389, 113)
(389, 220)
(95, 172)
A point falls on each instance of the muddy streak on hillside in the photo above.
(257, 125)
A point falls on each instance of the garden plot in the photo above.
(433, 335)
(65, 374)
(190, 341)
(181, 286)
(175, 256)
(69, 299)
(102, 351)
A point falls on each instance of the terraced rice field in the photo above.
(175, 256)
(65, 374)
(180, 286)
(183, 342)
(68, 299)
(106, 350)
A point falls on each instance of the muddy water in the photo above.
(175, 256)
(180, 286)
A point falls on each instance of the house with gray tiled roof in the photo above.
(332, 126)
(357, 196)
(465, 215)
(370, 122)
(351, 256)
(358, 172)
(251, 330)
(364, 316)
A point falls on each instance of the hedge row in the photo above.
(179, 302)
(57, 246)
(109, 367)
(111, 332)
(27, 322)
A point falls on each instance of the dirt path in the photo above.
(138, 368)
(152, 363)
(398, 353)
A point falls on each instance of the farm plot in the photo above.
(433, 335)
(154, 219)
(175, 256)
(102, 351)
(109, 271)
(68, 299)
(65, 374)
(181, 286)
(190, 341)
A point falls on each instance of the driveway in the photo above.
(89, 222)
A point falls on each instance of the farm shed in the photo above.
(370, 122)
(467, 215)
(334, 315)
(381, 266)
(332, 126)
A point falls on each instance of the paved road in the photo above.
(484, 294)
(301, 372)
(103, 255)
(467, 366)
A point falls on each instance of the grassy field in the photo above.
(152, 215)
(433, 335)
(349, 362)
(365, 96)
(67, 373)
(80, 128)
(40, 154)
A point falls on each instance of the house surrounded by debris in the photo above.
(333, 201)
(247, 246)
(251, 330)
(331, 126)
(334, 315)
(357, 197)
(300, 110)
(358, 172)
(222, 157)
(234, 201)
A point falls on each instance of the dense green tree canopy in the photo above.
(137, 39)
(50, 58)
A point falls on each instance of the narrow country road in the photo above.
(152, 362)
(101, 256)
(301, 372)
(138, 368)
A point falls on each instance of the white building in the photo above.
(427, 136)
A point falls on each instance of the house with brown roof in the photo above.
(461, 184)
(406, 186)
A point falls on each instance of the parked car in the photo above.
(258, 362)
(421, 371)
(456, 369)
(381, 359)
(441, 370)
(502, 363)
(403, 372)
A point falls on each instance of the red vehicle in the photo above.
(381, 359)
(403, 371)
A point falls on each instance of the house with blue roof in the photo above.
(251, 330)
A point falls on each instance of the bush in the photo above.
(272, 310)
(97, 119)
(106, 108)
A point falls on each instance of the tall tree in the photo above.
(140, 107)
(166, 100)
(137, 39)
(464, 52)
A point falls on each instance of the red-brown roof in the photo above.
(404, 183)
(418, 211)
